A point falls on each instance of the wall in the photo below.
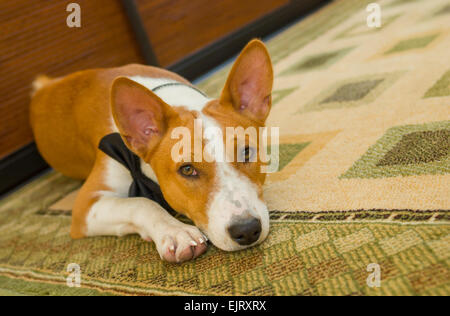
(34, 39)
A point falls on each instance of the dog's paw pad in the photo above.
(182, 244)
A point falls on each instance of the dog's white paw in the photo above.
(179, 243)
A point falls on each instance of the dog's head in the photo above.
(222, 191)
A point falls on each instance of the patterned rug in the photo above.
(364, 117)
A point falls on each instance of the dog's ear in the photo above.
(249, 84)
(140, 115)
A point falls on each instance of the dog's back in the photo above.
(70, 115)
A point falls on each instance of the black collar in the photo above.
(142, 186)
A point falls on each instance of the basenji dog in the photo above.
(112, 127)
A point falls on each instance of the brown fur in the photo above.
(70, 115)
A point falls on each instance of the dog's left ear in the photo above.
(249, 84)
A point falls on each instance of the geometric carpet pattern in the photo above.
(441, 88)
(324, 255)
(316, 62)
(363, 177)
(279, 95)
(352, 92)
(413, 43)
(407, 150)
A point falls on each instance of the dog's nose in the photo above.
(245, 231)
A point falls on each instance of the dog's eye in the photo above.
(188, 171)
(247, 154)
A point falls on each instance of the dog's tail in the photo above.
(40, 82)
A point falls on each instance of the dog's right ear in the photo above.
(140, 115)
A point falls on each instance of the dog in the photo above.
(112, 128)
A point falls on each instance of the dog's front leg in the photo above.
(175, 241)
(100, 210)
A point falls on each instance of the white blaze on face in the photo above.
(235, 196)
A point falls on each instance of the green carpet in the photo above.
(363, 178)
